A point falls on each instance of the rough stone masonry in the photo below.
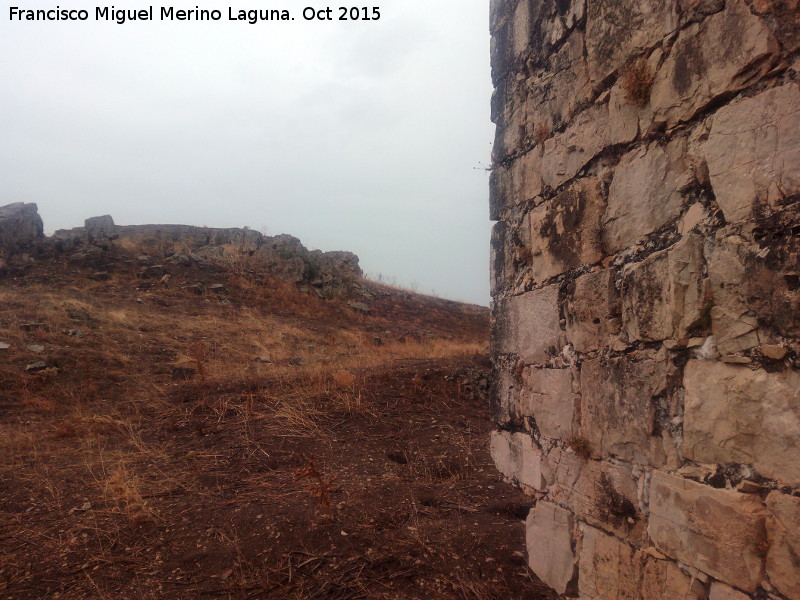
(646, 284)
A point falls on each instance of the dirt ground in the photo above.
(180, 440)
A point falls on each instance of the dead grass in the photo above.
(637, 80)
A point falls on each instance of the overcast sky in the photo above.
(368, 136)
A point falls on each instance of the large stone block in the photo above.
(753, 151)
(547, 397)
(752, 272)
(663, 580)
(720, 591)
(720, 532)
(618, 407)
(565, 232)
(590, 132)
(549, 531)
(517, 458)
(617, 31)
(20, 228)
(532, 329)
(719, 55)
(601, 493)
(593, 311)
(662, 296)
(645, 194)
(735, 414)
(608, 567)
(514, 183)
(783, 557)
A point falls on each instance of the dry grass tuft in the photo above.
(637, 80)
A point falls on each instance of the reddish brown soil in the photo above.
(325, 481)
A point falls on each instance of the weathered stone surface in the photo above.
(517, 458)
(724, 53)
(720, 532)
(20, 228)
(565, 232)
(608, 567)
(663, 580)
(527, 110)
(720, 591)
(735, 414)
(549, 539)
(783, 557)
(753, 151)
(593, 311)
(590, 132)
(618, 408)
(547, 397)
(616, 31)
(752, 272)
(601, 493)
(662, 296)
(645, 194)
(509, 185)
(532, 330)
(100, 230)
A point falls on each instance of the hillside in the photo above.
(176, 424)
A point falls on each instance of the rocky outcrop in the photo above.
(646, 328)
(21, 231)
(329, 273)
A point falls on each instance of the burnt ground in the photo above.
(154, 455)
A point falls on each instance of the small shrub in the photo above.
(540, 133)
(637, 80)
(580, 446)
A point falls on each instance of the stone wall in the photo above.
(646, 284)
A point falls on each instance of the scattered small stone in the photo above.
(34, 326)
(736, 360)
(197, 288)
(774, 351)
(264, 359)
(180, 259)
(165, 278)
(35, 348)
(153, 272)
(217, 287)
(359, 307)
(100, 276)
(145, 260)
(224, 301)
(36, 367)
(376, 341)
(296, 361)
(183, 373)
(76, 333)
(4, 346)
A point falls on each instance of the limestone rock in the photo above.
(565, 231)
(753, 151)
(783, 557)
(608, 567)
(549, 539)
(601, 493)
(517, 458)
(20, 228)
(719, 532)
(617, 31)
(663, 580)
(618, 411)
(735, 414)
(547, 397)
(100, 230)
(645, 194)
(533, 330)
(720, 591)
(662, 296)
(722, 54)
(593, 311)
